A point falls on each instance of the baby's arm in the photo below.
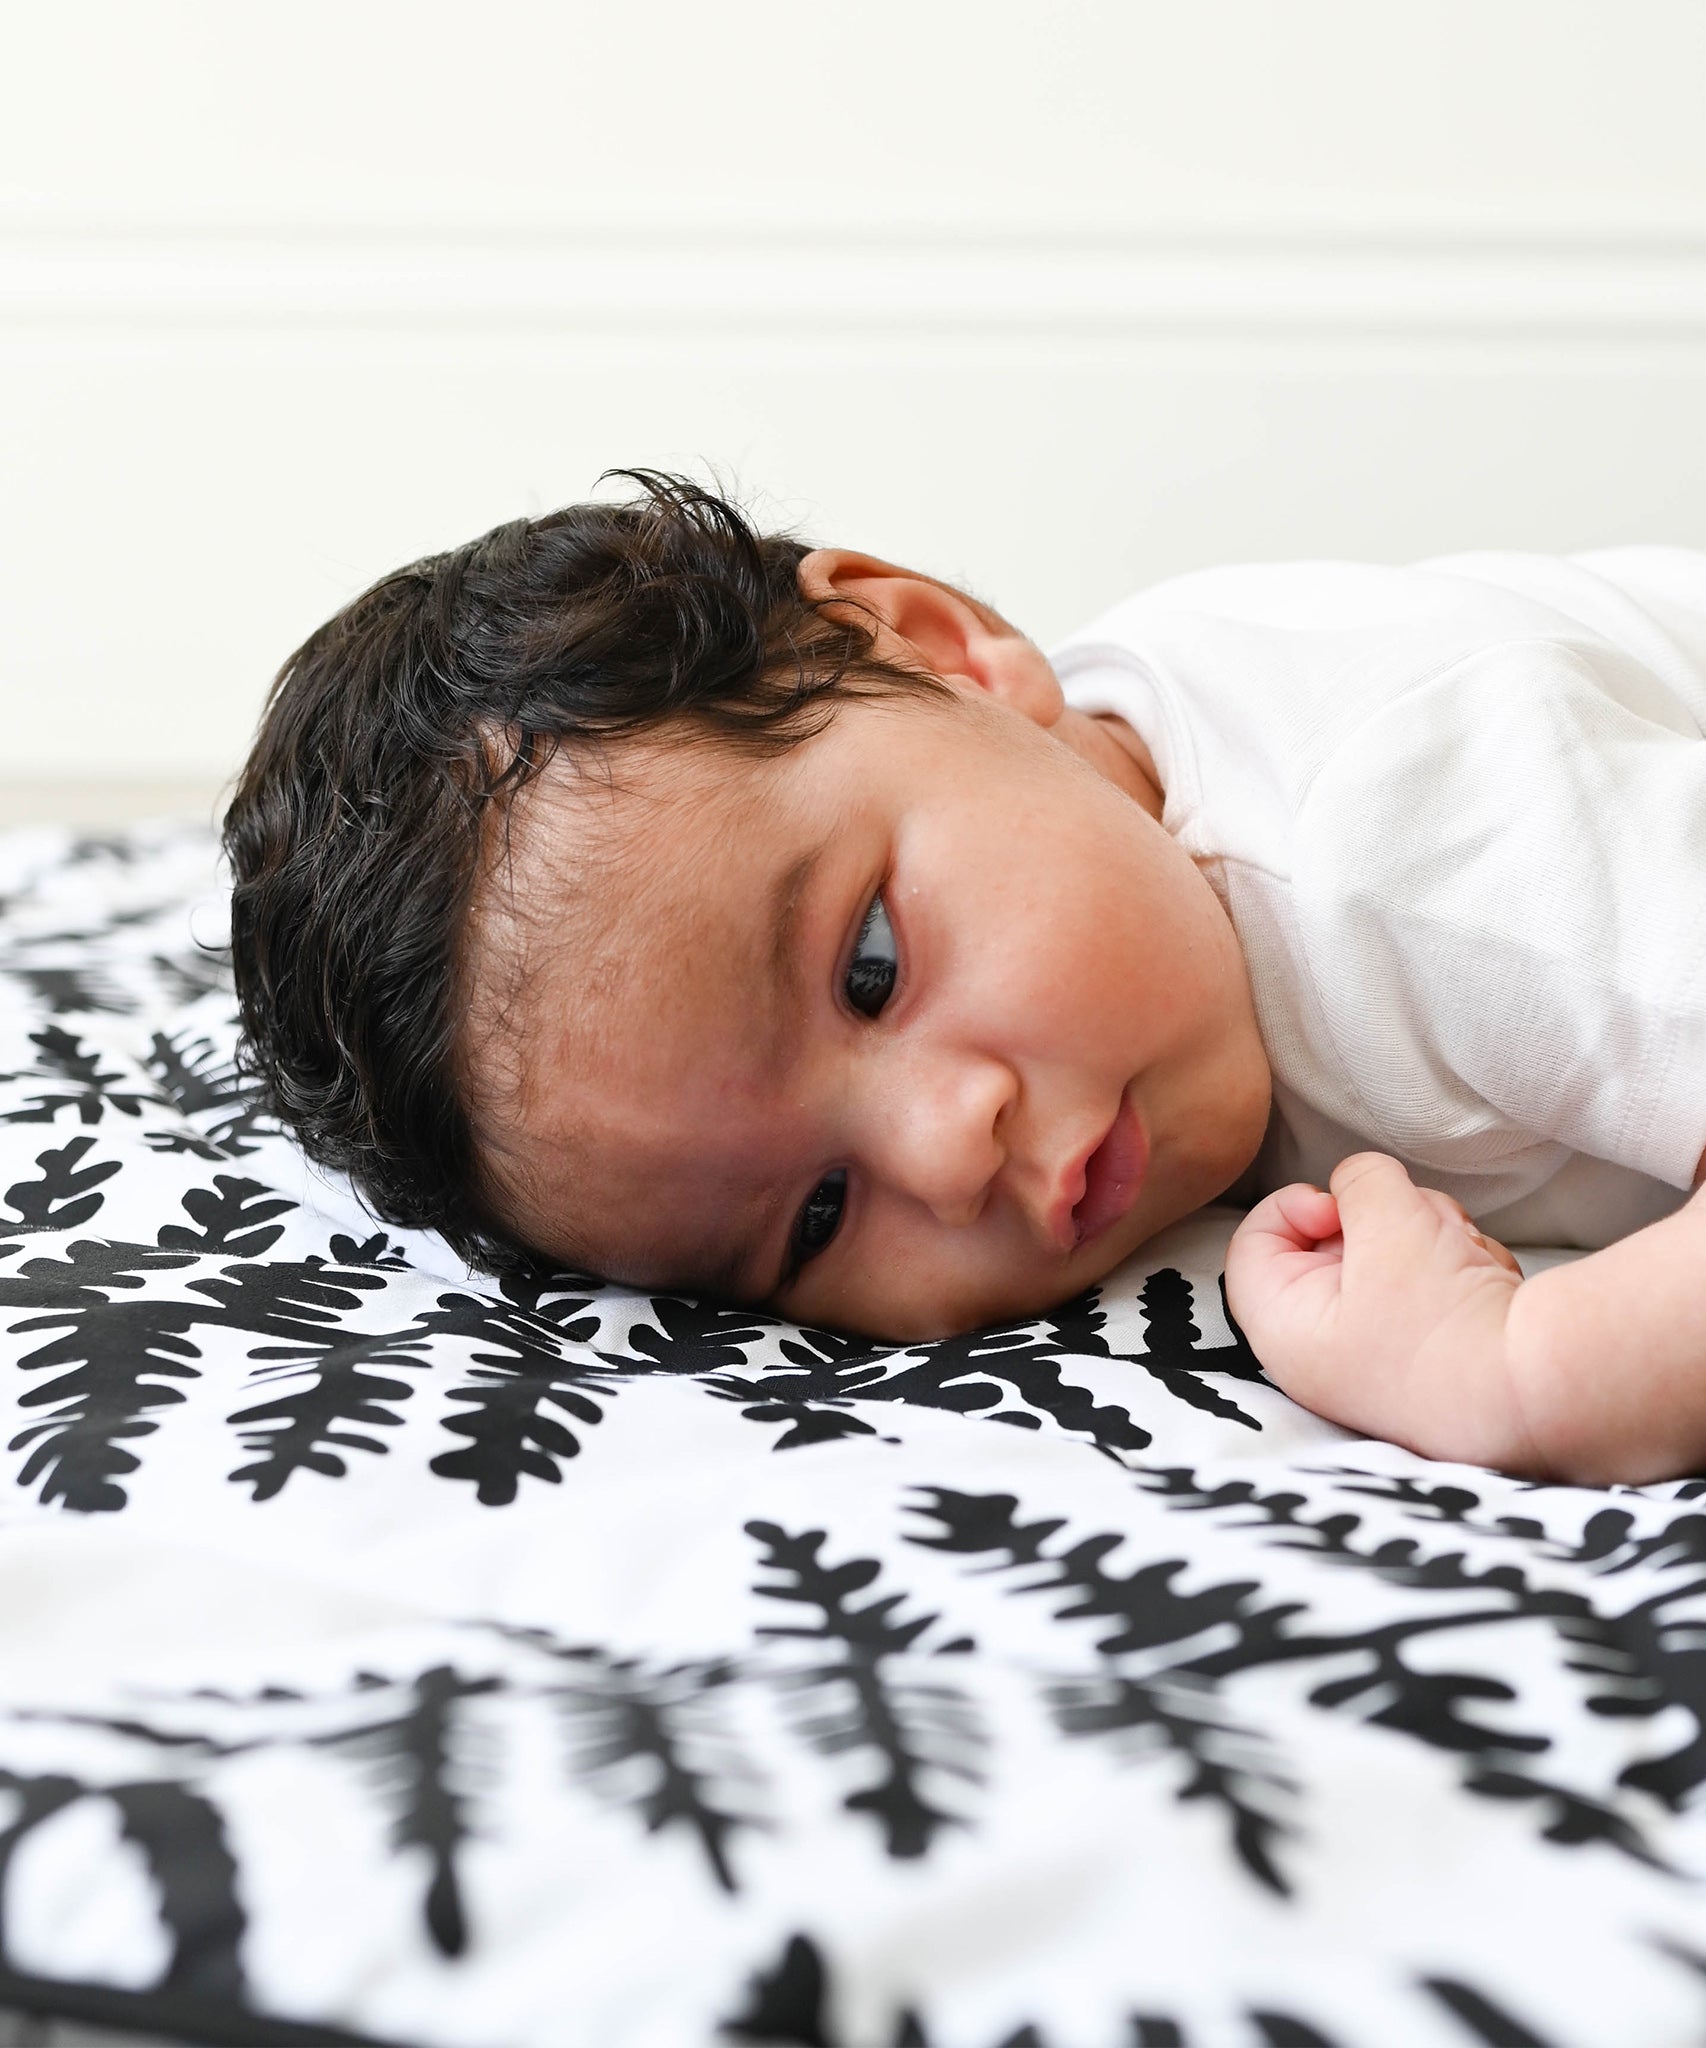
(1382, 1307)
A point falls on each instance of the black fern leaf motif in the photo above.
(546, 1291)
(1608, 1540)
(123, 1354)
(182, 1837)
(1663, 1665)
(807, 1418)
(187, 977)
(515, 1384)
(802, 1422)
(62, 1195)
(1637, 1663)
(299, 1302)
(1144, 1610)
(973, 1374)
(1230, 1764)
(92, 848)
(1437, 1503)
(785, 2004)
(1437, 1706)
(838, 1349)
(196, 1079)
(1285, 2030)
(1430, 1705)
(192, 1075)
(411, 1758)
(788, 2005)
(618, 1712)
(187, 1740)
(226, 1697)
(693, 1336)
(828, 1591)
(1573, 1820)
(1024, 1361)
(1079, 1326)
(340, 1401)
(377, 1252)
(1177, 1354)
(127, 920)
(71, 989)
(39, 1799)
(76, 1080)
(1145, 1614)
(294, 1300)
(851, 1703)
(1607, 1543)
(121, 1357)
(232, 1217)
(1488, 2022)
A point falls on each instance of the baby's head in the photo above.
(634, 891)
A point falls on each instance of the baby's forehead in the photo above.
(609, 881)
(611, 854)
(603, 979)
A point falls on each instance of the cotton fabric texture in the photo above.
(398, 1659)
(1457, 814)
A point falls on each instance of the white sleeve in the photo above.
(1501, 890)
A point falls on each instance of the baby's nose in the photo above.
(942, 1139)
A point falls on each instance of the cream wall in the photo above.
(1049, 298)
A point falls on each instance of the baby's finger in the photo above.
(1299, 1214)
(1374, 1191)
(1503, 1253)
(1454, 1212)
(1283, 1266)
(1447, 1206)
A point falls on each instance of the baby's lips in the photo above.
(1113, 1176)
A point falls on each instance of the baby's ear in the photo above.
(920, 623)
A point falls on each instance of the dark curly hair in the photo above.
(356, 834)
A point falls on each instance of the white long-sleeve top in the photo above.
(1457, 815)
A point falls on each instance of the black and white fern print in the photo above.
(398, 1656)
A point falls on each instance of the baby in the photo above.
(635, 891)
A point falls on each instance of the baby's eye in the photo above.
(871, 971)
(820, 1219)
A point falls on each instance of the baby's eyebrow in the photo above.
(784, 916)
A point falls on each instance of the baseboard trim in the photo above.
(1595, 288)
(94, 801)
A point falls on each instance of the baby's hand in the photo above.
(1382, 1307)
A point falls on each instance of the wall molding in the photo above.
(107, 797)
(1411, 279)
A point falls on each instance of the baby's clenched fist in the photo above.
(1379, 1305)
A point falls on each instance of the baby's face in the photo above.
(924, 1024)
